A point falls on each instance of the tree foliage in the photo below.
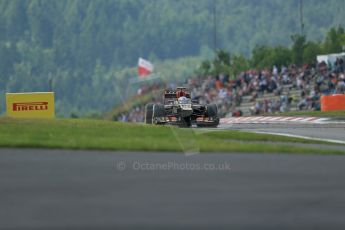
(301, 52)
(298, 46)
(83, 44)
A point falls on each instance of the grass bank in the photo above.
(107, 135)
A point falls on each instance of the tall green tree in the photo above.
(311, 50)
(298, 46)
(335, 40)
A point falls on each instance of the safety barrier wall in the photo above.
(333, 102)
(30, 105)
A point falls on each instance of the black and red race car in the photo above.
(179, 109)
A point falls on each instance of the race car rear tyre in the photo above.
(212, 110)
(149, 113)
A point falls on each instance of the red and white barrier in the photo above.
(248, 120)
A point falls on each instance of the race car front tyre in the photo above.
(211, 112)
(149, 113)
(158, 110)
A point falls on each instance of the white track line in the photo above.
(299, 136)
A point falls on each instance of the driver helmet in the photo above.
(180, 93)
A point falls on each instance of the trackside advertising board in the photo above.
(30, 105)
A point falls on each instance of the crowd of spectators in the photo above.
(309, 81)
(330, 79)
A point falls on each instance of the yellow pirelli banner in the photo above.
(31, 105)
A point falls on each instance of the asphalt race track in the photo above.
(65, 189)
(331, 131)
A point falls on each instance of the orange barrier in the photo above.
(333, 102)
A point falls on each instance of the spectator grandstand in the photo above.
(257, 92)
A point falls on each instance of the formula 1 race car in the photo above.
(179, 109)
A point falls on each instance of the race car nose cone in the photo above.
(186, 113)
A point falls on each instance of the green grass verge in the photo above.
(258, 137)
(332, 114)
(100, 134)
